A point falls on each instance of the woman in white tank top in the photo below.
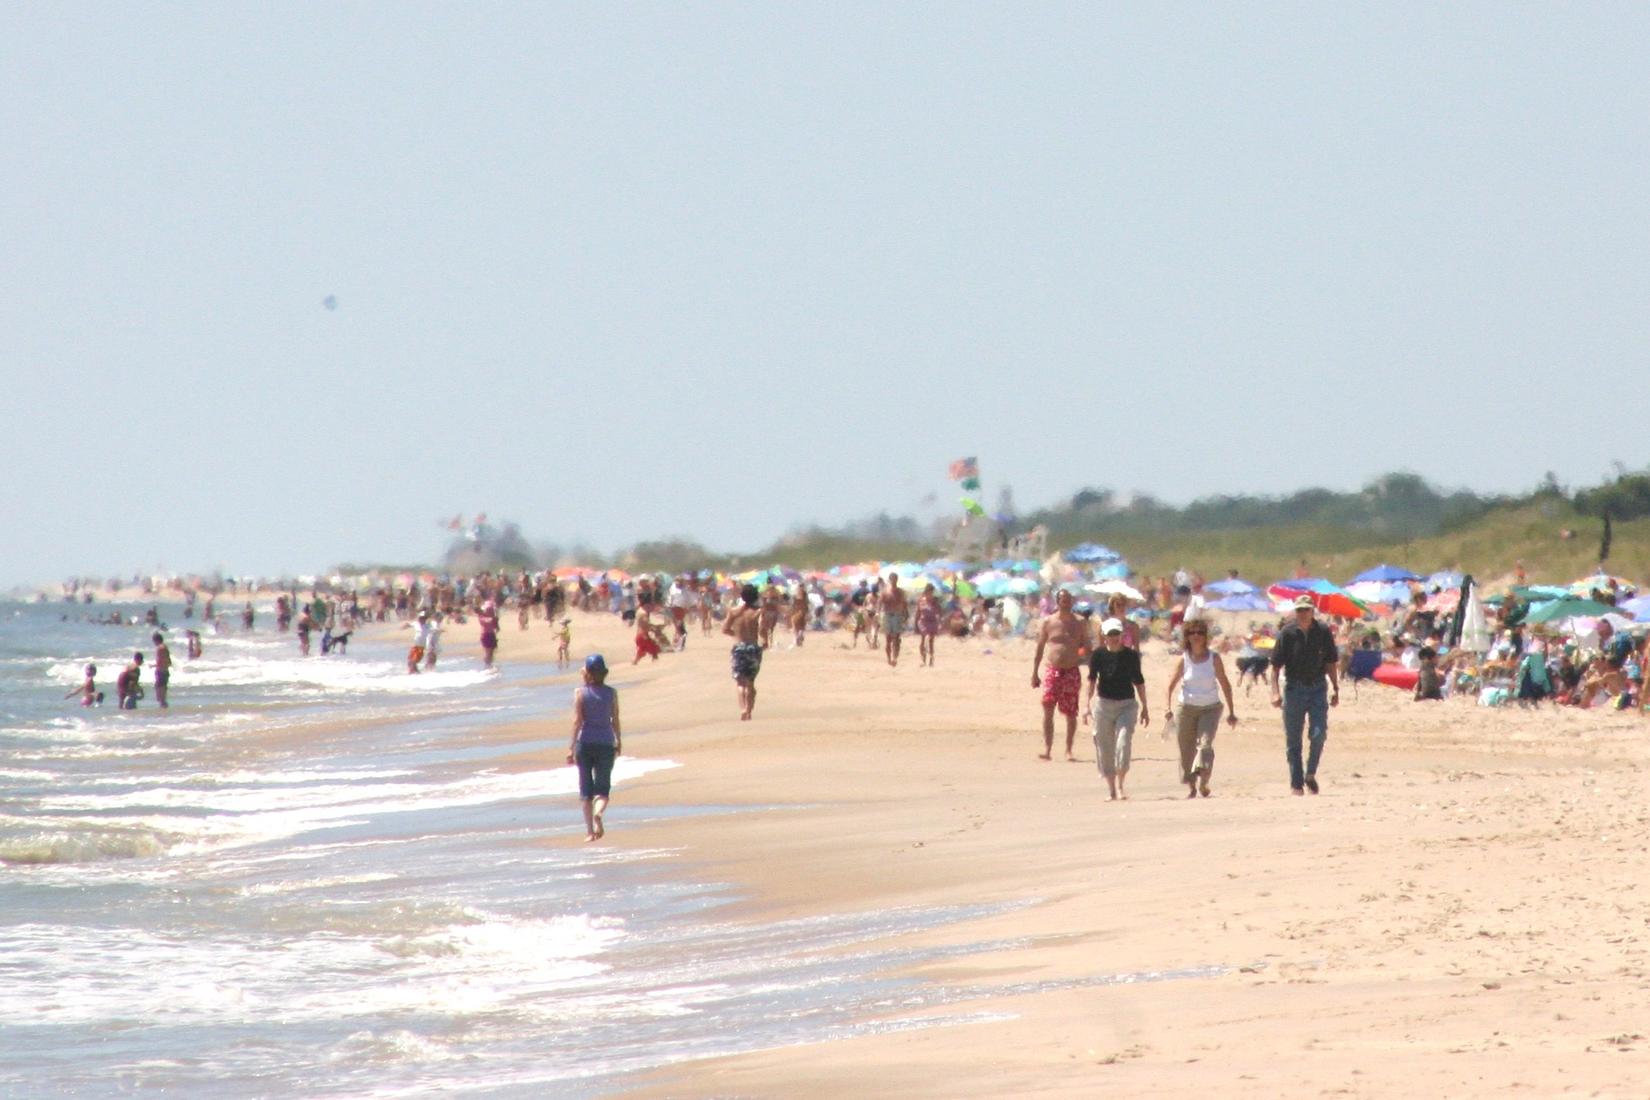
(1201, 680)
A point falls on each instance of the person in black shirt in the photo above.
(1114, 671)
(1305, 653)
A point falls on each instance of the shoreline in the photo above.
(1394, 933)
(1361, 927)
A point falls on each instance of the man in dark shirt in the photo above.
(1114, 670)
(1305, 653)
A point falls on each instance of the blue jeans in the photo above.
(1304, 705)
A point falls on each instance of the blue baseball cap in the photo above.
(594, 663)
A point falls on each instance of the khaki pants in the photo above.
(1114, 721)
(1196, 728)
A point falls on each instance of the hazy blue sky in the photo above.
(623, 270)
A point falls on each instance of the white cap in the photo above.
(1112, 626)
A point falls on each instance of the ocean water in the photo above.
(190, 906)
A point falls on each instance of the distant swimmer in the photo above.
(163, 667)
(1061, 637)
(247, 616)
(129, 685)
(743, 625)
(306, 623)
(596, 743)
(89, 695)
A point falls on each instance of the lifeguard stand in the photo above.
(974, 538)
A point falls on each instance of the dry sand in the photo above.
(1461, 912)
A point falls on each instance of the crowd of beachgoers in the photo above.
(1437, 635)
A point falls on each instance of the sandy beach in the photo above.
(1460, 912)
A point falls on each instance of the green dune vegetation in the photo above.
(1398, 518)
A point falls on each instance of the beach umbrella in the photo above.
(1328, 597)
(1385, 573)
(1115, 588)
(1230, 586)
(1022, 586)
(1601, 582)
(1638, 607)
(1387, 592)
(991, 587)
(1243, 601)
(1086, 552)
(1117, 570)
(1538, 592)
(1570, 607)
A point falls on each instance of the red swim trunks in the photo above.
(1062, 687)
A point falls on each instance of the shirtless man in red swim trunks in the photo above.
(1062, 637)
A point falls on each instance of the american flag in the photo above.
(965, 467)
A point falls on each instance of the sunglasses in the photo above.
(1194, 633)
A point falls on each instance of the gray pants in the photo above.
(1114, 721)
(1196, 728)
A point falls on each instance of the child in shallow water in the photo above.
(87, 691)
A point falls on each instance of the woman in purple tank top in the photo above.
(595, 743)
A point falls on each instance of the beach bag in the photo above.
(1492, 696)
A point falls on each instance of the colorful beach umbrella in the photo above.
(1600, 582)
(1329, 598)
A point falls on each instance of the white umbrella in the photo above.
(1475, 629)
(1114, 588)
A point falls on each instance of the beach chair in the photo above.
(1363, 666)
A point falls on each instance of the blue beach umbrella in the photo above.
(1251, 600)
(1231, 586)
(1385, 574)
(1085, 552)
(1638, 608)
(1387, 592)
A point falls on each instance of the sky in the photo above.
(624, 271)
